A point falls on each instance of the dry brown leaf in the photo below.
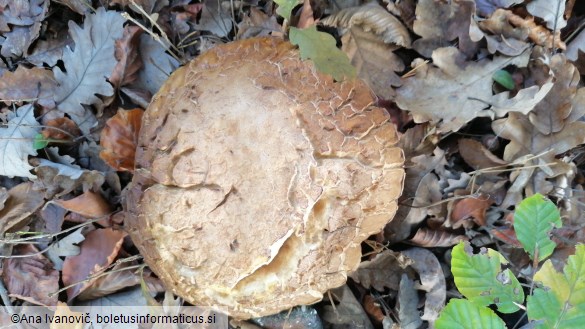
(61, 129)
(425, 237)
(81, 7)
(383, 271)
(477, 156)
(257, 24)
(432, 281)
(126, 53)
(525, 139)
(374, 60)
(372, 18)
(552, 113)
(89, 204)
(551, 11)
(509, 25)
(22, 201)
(20, 22)
(150, 6)
(119, 139)
(55, 180)
(32, 276)
(98, 250)
(373, 308)
(35, 84)
(405, 9)
(471, 208)
(451, 92)
(440, 23)
(348, 313)
(421, 190)
(116, 280)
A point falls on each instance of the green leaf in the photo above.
(40, 142)
(463, 314)
(285, 7)
(481, 279)
(534, 218)
(504, 78)
(320, 48)
(560, 303)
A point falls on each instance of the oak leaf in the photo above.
(88, 66)
(16, 142)
(35, 84)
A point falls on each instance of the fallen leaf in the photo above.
(383, 271)
(471, 208)
(126, 53)
(374, 60)
(214, 19)
(61, 129)
(425, 237)
(486, 7)
(158, 65)
(115, 280)
(296, 318)
(407, 304)
(57, 179)
(348, 313)
(432, 281)
(89, 204)
(64, 247)
(373, 19)
(119, 139)
(306, 17)
(440, 23)
(21, 23)
(48, 51)
(256, 24)
(88, 66)
(552, 113)
(79, 6)
(551, 11)
(98, 250)
(525, 139)
(35, 84)
(20, 203)
(373, 308)
(16, 142)
(477, 156)
(450, 95)
(32, 276)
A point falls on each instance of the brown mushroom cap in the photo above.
(258, 178)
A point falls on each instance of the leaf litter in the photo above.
(474, 149)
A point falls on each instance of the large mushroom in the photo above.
(258, 177)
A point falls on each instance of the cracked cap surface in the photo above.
(258, 178)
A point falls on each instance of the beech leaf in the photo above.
(88, 66)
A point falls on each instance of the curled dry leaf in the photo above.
(89, 204)
(425, 237)
(21, 202)
(35, 84)
(469, 208)
(432, 280)
(477, 156)
(61, 129)
(439, 23)
(20, 22)
(256, 24)
(32, 276)
(372, 18)
(119, 139)
(349, 313)
(98, 250)
(57, 179)
(126, 53)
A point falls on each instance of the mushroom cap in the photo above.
(257, 178)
